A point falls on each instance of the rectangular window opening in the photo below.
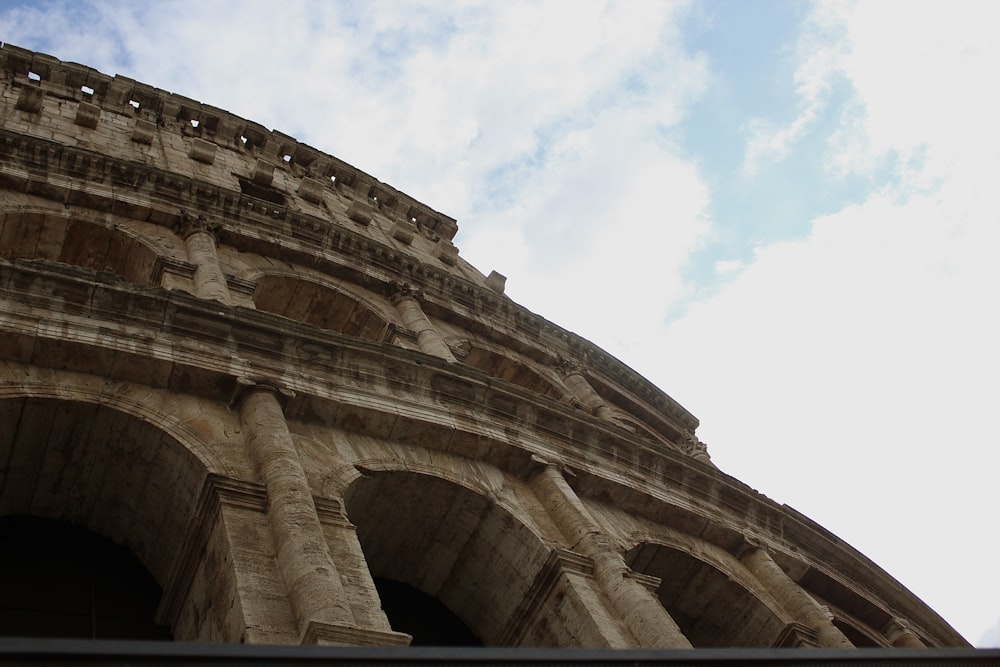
(87, 90)
(34, 77)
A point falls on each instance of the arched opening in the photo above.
(97, 467)
(61, 580)
(77, 242)
(453, 546)
(503, 367)
(858, 637)
(855, 615)
(421, 616)
(711, 608)
(319, 305)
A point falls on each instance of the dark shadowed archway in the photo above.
(94, 467)
(61, 580)
(455, 547)
(712, 608)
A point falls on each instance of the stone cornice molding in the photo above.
(130, 98)
(96, 181)
(185, 339)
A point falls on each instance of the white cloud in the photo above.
(853, 374)
(818, 52)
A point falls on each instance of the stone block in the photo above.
(446, 251)
(496, 282)
(312, 190)
(30, 99)
(143, 132)
(88, 115)
(403, 231)
(203, 151)
(360, 212)
(263, 173)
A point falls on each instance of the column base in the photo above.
(327, 634)
(796, 635)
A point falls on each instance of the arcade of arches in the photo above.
(249, 393)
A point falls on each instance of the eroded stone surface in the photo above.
(275, 379)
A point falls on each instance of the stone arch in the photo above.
(72, 388)
(860, 636)
(454, 544)
(500, 365)
(98, 466)
(62, 580)
(319, 303)
(79, 242)
(709, 602)
(854, 614)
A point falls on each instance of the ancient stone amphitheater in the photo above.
(249, 393)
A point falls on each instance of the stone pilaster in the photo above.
(315, 591)
(801, 606)
(413, 317)
(636, 605)
(200, 244)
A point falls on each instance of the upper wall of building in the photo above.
(293, 224)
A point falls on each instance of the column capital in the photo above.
(751, 541)
(901, 635)
(246, 385)
(188, 224)
(692, 446)
(568, 367)
(538, 464)
(397, 292)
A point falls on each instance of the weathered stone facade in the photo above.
(275, 381)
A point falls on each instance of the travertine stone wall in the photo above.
(277, 382)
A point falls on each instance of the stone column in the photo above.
(642, 613)
(414, 319)
(899, 634)
(582, 391)
(199, 242)
(797, 602)
(315, 592)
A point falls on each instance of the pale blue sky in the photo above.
(782, 213)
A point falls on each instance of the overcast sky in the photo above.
(783, 214)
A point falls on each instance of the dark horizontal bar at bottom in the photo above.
(149, 654)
